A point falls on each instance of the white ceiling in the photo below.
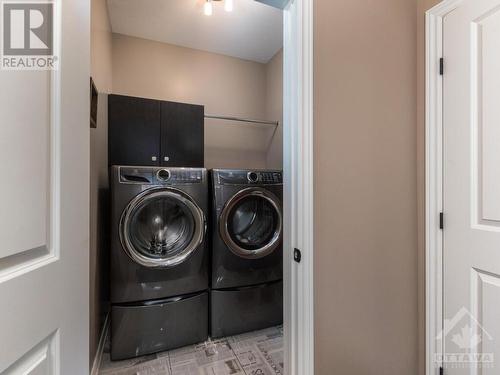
(252, 31)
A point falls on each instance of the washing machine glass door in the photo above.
(162, 227)
(251, 223)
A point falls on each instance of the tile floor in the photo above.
(254, 353)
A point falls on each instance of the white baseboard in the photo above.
(100, 348)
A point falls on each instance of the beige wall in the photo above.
(101, 73)
(365, 187)
(225, 85)
(274, 108)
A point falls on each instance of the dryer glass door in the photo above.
(251, 223)
(161, 227)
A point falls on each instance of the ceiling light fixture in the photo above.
(208, 10)
(228, 5)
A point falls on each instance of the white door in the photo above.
(472, 188)
(44, 190)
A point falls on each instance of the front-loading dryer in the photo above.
(159, 259)
(247, 251)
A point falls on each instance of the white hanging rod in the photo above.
(229, 118)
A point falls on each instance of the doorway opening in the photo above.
(243, 70)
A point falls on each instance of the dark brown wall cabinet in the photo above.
(151, 132)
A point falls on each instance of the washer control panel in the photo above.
(248, 177)
(179, 176)
(155, 175)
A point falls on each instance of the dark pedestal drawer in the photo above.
(247, 309)
(159, 325)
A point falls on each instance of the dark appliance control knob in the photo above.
(253, 177)
(163, 175)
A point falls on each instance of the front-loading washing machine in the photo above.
(247, 251)
(158, 260)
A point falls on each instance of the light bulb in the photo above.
(228, 5)
(208, 8)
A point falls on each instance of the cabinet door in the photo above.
(182, 134)
(134, 131)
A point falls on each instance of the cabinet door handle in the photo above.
(153, 158)
(166, 158)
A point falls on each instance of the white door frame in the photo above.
(434, 179)
(298, 194)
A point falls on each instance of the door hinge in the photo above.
(441, 66)
(297, 255)
(441, 220)
(441, 371)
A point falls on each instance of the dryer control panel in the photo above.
(271, 177)
(248, 177)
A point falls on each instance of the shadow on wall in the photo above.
(102, 253)
(231, 144)
(99, 227)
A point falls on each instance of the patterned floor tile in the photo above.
(108, 366)
(253, 353)
(212, 357)
(260, 353)
(155, 367)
